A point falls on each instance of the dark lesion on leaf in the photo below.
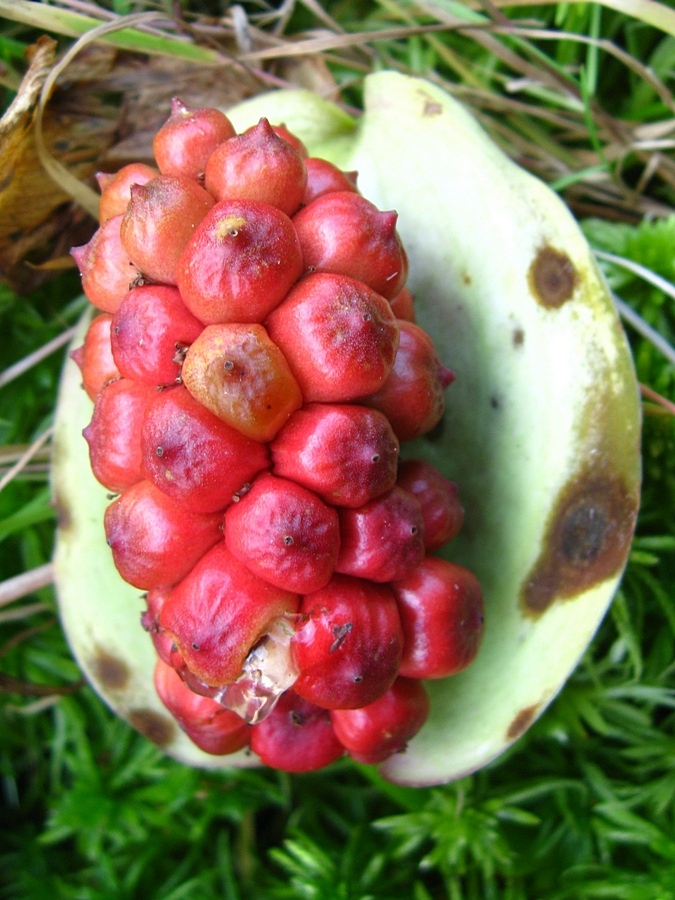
(155, 727)
(521, 722)
(111, 672)
(587, 540)
(552, 277)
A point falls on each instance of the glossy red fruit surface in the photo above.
(217, 614)
(258, 165)
(193, 456)
(443, 618)
(372, 733)
(296, 737)
(95, 357)
(442, 511)
(382, 540)
(323, 178)
(105, 266)
(154, 540)
(113, 434)
(150, 333)
(240, 263)
(160, 219)
(208, 724)
(339, 336)
(162, 642)
(403, 305)
(242, 377)
(347, 453)
(116, 189)
(285, 534)
(349, 648)
(185, 141)
(413, 396)
(343, 233)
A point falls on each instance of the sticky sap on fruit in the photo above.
(542, 432)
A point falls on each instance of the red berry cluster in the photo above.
(254, 369)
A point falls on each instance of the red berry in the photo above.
(193, 456)
(349, 648)
(219, 612)
(242, 377)
(348, 454)
(113, 433)
(371, 734)
(382, 540)
(441, 510)
(161, 641)
(297, 736)
(161, 217)
(208, 724)
(116, 189)
(443, 618)
(285, 534)
(154, 540)
(258, 165)
(413, 396)
(403, 305)
(151, 331)
(339, 336)
(106, 269)
(323, 178)
(240, 262)
(95, 357)
(185, 141)
(343, 233)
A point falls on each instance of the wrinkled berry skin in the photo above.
(296, 737)
(194, 457)
(155, 541)
(339, 336)
(349, 648)
(285, 534)
(218, 612)
(242, 377)
(382, 540)
(149, 331)
(443, 618)
(347, 453)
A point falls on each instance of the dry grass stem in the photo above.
(23, 365)
(25, 458)
(20, 585)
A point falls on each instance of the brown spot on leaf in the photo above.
(113, 673)
(155, 727)
(521, 722)
(587, 540)
(552, 277)
(63, 516)
(518, 337)
(431, 108)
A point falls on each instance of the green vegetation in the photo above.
(583, 806)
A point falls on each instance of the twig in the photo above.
(25, 457)
(13, 588)
(23, 365)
